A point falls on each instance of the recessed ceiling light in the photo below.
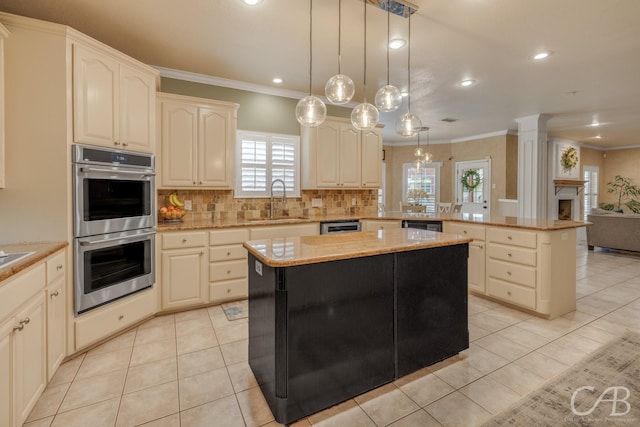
(277, 80)
(597, 137)
(542, 55)
(252, 2)
(466, 82)
(397, 43)
(595, 124)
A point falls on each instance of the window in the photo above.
(590, 190)
(421, 186)
(381, 190)
(261, 158)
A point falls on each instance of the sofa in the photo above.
(613, 230)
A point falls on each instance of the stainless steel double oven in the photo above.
(114, 224)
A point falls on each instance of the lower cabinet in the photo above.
(477, 251)
(372, 225)
(6, 384)
(228, 265)
(184, 269)
(56, 297)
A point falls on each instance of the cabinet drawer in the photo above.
(56, 266)
(512, 293)
(476, 232)
(513, 254)
(20, 288)
(104, 321)
(227, 270)
(228, 290)
(227, 253)
(509, 236)
(512, 272)
(183, 240)
(226, 237)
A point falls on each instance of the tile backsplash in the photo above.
(220, 204)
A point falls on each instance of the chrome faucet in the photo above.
(284, 195)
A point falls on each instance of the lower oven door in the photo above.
(110, 266)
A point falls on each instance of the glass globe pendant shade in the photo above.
(311, 111)
(419, 163)
(408, 125)
(365, 116)
(388, 98)
(339, 89)
(428, 157)
(418, 152)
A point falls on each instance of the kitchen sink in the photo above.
(7, 259)
(270, 220)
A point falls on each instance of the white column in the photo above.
(532, 166)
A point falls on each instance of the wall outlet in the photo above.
(316, 203)
(354, 202)
(188, 205)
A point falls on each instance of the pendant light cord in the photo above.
(388, 37)
(409, 66)
(365, 49)
(339, 36)
(310, 41)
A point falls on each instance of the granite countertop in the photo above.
(40, 250)
(498, 221)
(290, 251)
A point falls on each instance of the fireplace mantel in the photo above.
(575, 183)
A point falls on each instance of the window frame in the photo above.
(593, 189)
(269, 138)
(405, 173)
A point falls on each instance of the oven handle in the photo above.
(88, 243)
(122, 171)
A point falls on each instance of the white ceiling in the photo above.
(592, 75)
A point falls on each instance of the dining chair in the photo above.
(444, 207)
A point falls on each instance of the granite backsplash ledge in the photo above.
(220, 204)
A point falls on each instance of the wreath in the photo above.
(471, 179)
(569, 159)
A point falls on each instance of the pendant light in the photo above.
(409, 124)
(365, 116)
(310, 110)
(428, 157)
(388, 97)
(339, 88)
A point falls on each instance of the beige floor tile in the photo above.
(204, 387)
(155, 333)
(622, 293)
(509, 315)
(235, 352)
(457, 410)
(118, 343)
(149, 404)
(199, 361)
(170, 421)
(102, 414)
(458, 374)
(517, 378)
(43, 422)
(570, 348)
(386, 404)
(486, 320)
(254, 407)
(504, 347)
(483, 360)
(104, 363)
(551, 329)
(423, 387)
(194, 326)
(192, 314)
(523, 337)
(91, 390)
(476, 332)
(164, 319)
(595, 305)
(345, 414)
(67, 371)
(197, 341)
(225, 412)
(219, 320)
(242, 377)
(238, 330)
(596, 334)
(49, 402)
(153, 351)
(541, 365)
(417, 419)
(215, 310)
(151, 374)
(625, 316)
(490, 394)
(300, 423)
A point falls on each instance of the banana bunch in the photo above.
(173, 199)
(175, 210)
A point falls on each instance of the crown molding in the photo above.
(485, 135)
(599, 148)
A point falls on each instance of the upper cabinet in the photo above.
(3, 34)
(114, 102)
(336, 155)
(197, 142)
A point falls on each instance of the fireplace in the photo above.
(565, 209)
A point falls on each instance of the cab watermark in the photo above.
(615, 399)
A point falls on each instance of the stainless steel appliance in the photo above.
(425, 224)
(342, 226)
(114, 224)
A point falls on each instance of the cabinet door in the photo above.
(179, 144)
(95, 97)
(6, 384)
(184, 278)
(327, 152)
(476, 270)
(216, 146)
(137, 124)
(372, 158)
(29, 358)
(349, 157)
(56, 326)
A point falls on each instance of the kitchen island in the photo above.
(333, 316)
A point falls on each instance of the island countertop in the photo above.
(289, 251)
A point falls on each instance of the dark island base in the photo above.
(320, 334)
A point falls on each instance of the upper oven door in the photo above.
(110, 199)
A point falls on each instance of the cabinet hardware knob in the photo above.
(228, 271)
(184, 240)
(25, 321)
(509, 255)
(54, 294)
(509, 237)
(228, 253)
(19, 327)
(124, 144)
(480, 246)
(509, 293)
(121, 317)
(201, 252)
(508, 273)
(194, 182)
(464, 231)
(228, 291)
(200, 182)
(116, 143)
(59, 267)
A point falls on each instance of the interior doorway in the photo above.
(475, 196)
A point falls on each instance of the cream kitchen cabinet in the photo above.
(477, 250)
(114, 102)
(228, 265)
(296, 230)
(56, 312)
(371, 167)
(197, 142)
(6, 373)
(184, 269)
(373, 225)
(3, 34)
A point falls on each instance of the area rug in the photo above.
(602, 389)
(236, 310)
